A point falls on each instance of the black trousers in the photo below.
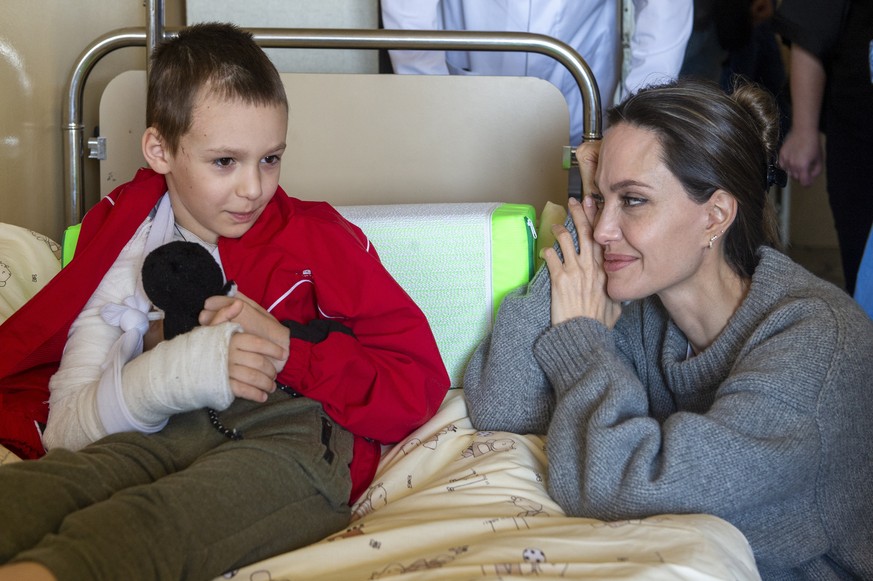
(849, 152)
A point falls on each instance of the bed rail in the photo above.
(154, 31)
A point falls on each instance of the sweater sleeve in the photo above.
(752, 443)
(504, 385)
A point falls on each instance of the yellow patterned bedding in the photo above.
(452, 503)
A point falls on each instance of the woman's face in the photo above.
(653, 235)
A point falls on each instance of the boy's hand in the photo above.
(253, 318)
(250, 366)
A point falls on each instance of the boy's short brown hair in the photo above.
(218, 58)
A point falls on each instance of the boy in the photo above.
(160, 487)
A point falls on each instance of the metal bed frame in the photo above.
(155, 31)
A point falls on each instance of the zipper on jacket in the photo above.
(531, 246)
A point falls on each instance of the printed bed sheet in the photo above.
(451, 503)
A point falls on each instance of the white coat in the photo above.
(592, 27)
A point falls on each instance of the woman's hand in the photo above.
(587, 156)
(253, 318)
(579, 282)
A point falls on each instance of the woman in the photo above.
(677, 361)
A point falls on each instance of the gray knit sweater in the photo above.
(770, 427)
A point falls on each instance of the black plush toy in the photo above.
(178, 278)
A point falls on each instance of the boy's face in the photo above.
(226, 167)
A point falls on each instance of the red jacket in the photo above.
(304, 263)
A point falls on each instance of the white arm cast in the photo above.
(186, 373)
(73, 419)
(94, 393)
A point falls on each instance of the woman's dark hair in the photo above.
(215, 57)
(712, 140)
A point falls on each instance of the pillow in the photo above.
(28, 260)
(456, 260)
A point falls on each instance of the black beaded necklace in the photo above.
(233, 434)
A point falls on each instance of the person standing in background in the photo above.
(591, 27)
(736, 37)
(832, 92)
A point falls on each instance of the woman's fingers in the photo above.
(583, 223)
(589, 207)
(571, 276)
(579, 281)
(587, 253)
(587, 156)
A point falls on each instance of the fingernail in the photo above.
(574, 201)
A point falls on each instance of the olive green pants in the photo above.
(185, 503)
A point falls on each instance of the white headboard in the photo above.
(386, 139)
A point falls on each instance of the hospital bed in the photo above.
(448, 177)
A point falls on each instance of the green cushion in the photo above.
(456, 260)
(68, 244)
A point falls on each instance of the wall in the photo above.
(813, 236)
(39, 42)
(299, 14)
(812, 224)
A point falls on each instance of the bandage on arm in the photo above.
(186, 373)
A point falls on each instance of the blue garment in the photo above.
(864, 284)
